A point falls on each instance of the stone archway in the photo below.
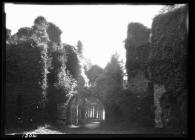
(85, 109)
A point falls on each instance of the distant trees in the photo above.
(93, 73)
(108, 87)
(80, 47)
(111, 78)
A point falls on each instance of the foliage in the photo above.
(39, 71)
(41, 37)
(93, 73)
(137, 48)
(23, 74)
(24, 33)
(108, 87)
(54, 33)
(80, 47)
(137, 54)
(168, 60)
(137, 35)
(8, 34)
(62, 85)
(54, 52)
(111, 79)
(168, 56)
(40, 21)
(169, 8)
(72, 64)
(66, 82)
(26, 72)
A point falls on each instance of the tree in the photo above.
(54, 33)
(111, 78)
(40, 21)
(8, 34)
(40, 72)
(80, 47)
(93, 73)
(24, 33)
(40, 30)
(109, 87)
(114, 69)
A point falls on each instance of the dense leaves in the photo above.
(39, 65)
(168, 63)
(54, 33)
(8, 34)
(72, 64)
(80, 47)
(137, 35)
(168, 57)
(40, 21)
(24, 33)
(93, 73)
(137, 54)
(36, 75)
(108, 87)
(23, 75)
(137, 48)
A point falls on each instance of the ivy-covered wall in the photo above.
(23, 78)
(137, 53)
(37, 78)
(168, 64)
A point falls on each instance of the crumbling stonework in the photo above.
(159, 90)
(138, 84)
(167, 64)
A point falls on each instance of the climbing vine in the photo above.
(168, 60)
(41, 36)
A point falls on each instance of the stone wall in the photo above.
(168, 67)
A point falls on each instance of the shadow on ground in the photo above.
(92, 128)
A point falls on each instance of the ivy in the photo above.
(168, 64)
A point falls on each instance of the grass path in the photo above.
(48, 129)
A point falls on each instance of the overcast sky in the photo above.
(101, 28)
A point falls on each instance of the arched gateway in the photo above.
(86, 109)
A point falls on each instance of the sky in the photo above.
(101, 28)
